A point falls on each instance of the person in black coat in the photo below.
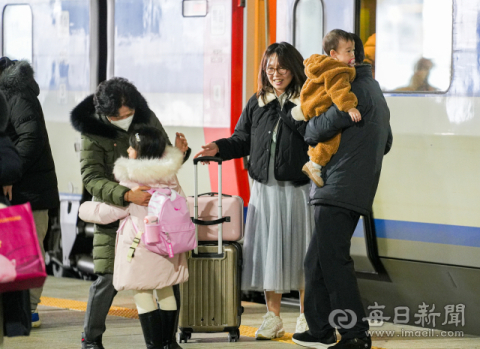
(279, 222)
(37, 183)
(10, 165)
(13, 308)
(351, 179)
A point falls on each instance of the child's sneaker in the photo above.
(272, 327)
(35, 319)
(302, 325)
(313, 173)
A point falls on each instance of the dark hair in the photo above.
(289, 58)
(113, 94)
(359, 51)
(332, 39)
(148, 142)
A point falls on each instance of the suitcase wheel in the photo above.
(234, 336)
(184, 336)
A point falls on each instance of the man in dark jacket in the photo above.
(26, 128)
(351, 180)
(104, 120)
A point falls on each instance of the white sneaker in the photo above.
(272, 327)
(302, 325)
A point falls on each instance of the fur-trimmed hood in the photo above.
(16, 78)
(296, 111)
(270, 96)
(84, 118)
(149, 171)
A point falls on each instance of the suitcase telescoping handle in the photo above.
(195, 205)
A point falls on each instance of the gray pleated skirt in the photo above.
(277, 234)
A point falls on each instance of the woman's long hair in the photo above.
(289, 58)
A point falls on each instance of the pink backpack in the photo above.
(168, 227)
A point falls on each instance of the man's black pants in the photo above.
(332, 298)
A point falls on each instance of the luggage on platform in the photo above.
(211, 298)
(232, 207)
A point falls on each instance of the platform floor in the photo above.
(64, 302)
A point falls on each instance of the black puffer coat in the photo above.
(10, 165)
(352, 175)
(26, 129)
(253, 136)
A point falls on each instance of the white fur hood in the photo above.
(149, 171)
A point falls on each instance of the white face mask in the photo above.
(124, 124)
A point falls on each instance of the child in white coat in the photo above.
(154, 164)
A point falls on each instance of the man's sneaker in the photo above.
(313, 173)
(307, 340)
(302, 325)
(35, 319)
(355, 343)
(272, 327)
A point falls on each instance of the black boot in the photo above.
(96, 344)
(152, 329)
(169, 329)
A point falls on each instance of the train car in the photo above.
(184, 57)
(196, 63)
(416, 256)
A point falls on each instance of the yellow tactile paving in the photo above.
(246, 331)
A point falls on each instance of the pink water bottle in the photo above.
(152, 230)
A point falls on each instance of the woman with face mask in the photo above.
(104, 119)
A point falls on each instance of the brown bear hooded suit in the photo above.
(328, 82)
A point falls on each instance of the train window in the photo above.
(17, 32)
(413, 45)
(308, 27)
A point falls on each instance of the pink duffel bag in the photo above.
(21, 263)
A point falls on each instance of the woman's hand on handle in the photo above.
(210, 149)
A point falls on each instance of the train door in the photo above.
(185, 57)
(60, 40)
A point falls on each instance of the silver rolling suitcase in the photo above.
(211, 298)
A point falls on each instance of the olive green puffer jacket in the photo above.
(102, 144)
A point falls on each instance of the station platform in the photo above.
(63, 305)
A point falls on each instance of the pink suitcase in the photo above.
(232, 207)
(209, 207)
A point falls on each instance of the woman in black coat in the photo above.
(279, 222)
